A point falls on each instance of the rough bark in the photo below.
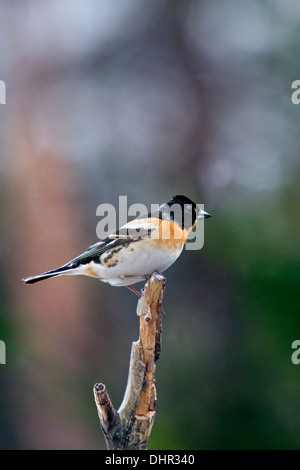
(130, 426)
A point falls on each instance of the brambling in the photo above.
(149, 243)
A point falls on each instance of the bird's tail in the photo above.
(47, 275)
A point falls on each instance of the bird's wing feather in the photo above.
(128, 233)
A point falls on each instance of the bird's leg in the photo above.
(134, 290)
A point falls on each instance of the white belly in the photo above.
(134, 265)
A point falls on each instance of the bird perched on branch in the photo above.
(149, 243)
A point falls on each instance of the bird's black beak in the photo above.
(203, 215)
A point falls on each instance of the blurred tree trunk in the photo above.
(43, 195)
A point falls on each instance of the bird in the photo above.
(150, 243)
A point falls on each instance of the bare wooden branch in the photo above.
(130, 426)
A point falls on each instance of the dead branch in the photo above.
(130, 426)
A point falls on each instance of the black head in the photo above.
(183, 211)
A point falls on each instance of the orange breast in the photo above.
(170, 236)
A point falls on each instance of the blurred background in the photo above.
(148, 100)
